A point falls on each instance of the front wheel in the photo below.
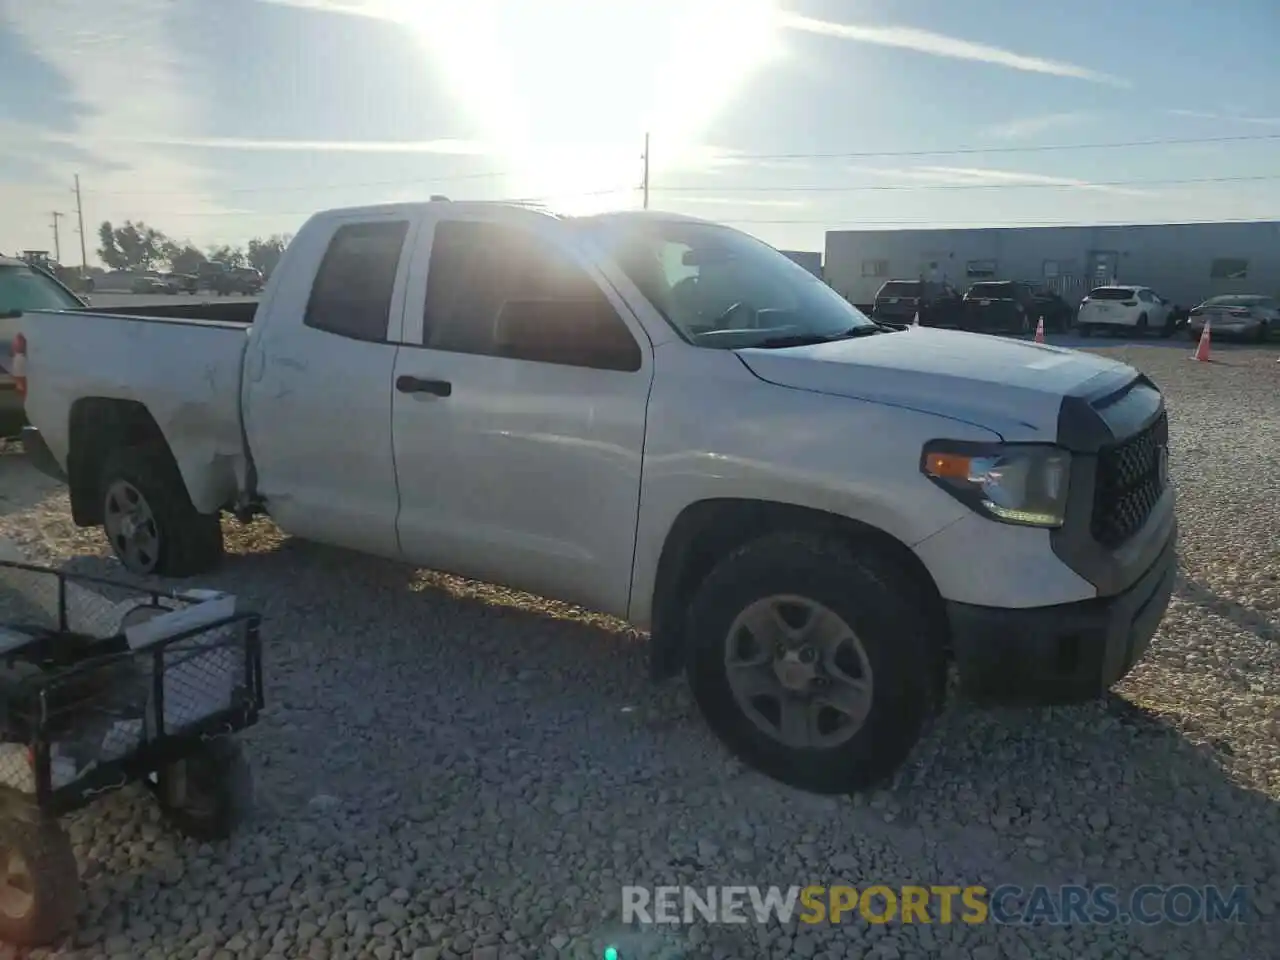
(1141, 328)
(815, 660)
(40, 893)
(209, 793)
(1085, 330)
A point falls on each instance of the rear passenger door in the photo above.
(519, 456)
(319, 382)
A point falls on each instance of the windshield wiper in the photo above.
(810, 339)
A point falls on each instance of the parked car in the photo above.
(23, 288)
(148, 284)
(1059, 316)
(180, 282)
(999, 306)
(899, 301)
(1245, 315)
(1139, 310)
(786, 495)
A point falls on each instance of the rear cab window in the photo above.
(354, 285)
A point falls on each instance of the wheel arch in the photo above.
(706, 531)
(97, 426)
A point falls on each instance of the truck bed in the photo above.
(238, 313)
(185, 370)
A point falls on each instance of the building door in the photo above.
(1104, 265)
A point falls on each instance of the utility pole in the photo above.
(84, 257)
(57, 245)
(645, 185)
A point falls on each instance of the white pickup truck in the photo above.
(662, 419)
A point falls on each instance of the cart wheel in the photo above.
(208, 794)
(39, 882)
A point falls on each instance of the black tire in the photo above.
(1084, 330)
(886, 608)
(39, 901)
(1141, 328)
(187, 542)
(1193, 335)
(1169, 329)
(208, 794)
(1262, 334)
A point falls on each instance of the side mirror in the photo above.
(578, 332)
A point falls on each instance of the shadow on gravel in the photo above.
(1244, 617)
(484, 698)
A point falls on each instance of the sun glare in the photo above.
(566, 89)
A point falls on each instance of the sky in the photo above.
(220, 121)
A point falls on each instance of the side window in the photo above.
(499, 291)
(1145, 296)
(351, 295)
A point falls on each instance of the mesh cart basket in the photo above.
(102, 684)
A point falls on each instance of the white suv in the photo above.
(1140, 309)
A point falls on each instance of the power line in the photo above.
(311, 210)
(424, 181)
(865, 155)
(1080, 185)
(985, 224)
(1040, 148)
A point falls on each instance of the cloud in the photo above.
(903, 38)
(1034, 126)
(447, 147)
(941, 45)
(979, 177)
(740, 202)
(122, 70)
(1231, 117)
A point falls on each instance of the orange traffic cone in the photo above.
(1202, 349)
(916, 321)
(1040, 330)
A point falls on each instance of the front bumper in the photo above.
(1065, 653)
(39, 455)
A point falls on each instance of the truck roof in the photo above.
(531, 210)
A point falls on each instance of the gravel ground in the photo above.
(448, 769)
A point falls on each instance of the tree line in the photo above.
(137, 246)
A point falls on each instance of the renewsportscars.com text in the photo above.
(1006, 904)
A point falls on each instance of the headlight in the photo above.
(1015, 483)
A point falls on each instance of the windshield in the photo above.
(1111, 293)
(992, 291)
(901, 288)
(722, 288)
(1239, 301)
(22, 288)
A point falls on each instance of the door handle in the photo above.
(437, 388)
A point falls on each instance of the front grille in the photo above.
(1129, 484)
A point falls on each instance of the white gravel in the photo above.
(447, 769)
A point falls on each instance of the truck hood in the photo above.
(1012, 387)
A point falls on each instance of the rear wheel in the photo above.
(1262, 334)
(815, 660)
(1141, 328)
(149, 519)
(1084, 330)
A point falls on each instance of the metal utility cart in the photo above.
(102, 684)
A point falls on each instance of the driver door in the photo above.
(515, 470)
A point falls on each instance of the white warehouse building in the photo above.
(1183, 262)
